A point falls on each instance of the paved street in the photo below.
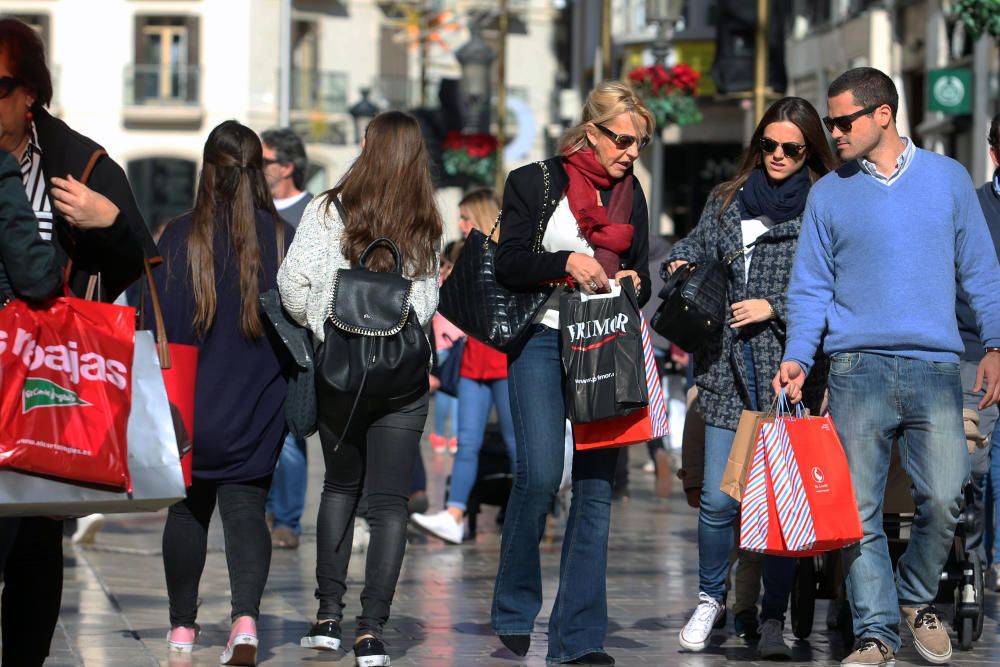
(115, 606)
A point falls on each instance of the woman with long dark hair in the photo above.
(217, 260)
(586, 214)
(752, 222)
(387, 192)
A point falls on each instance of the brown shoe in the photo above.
(284, 538)
(929, 635)
(870, 651)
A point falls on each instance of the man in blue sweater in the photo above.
(885, 239)
(980, 424)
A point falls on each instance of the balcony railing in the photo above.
(318, 90)
(162, 85)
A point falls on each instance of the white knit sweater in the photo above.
(307, 276)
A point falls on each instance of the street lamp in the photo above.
(665, 14)
(362, 112)
(476, 58)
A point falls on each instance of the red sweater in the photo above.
(481, 362)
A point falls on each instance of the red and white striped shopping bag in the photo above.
(786, 512)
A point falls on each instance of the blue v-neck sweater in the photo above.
(877, 264)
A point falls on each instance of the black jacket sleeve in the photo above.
(29, 264)
(638, 255)
(116, 252)
(517, 265)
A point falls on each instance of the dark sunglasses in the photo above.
(844, 123)
(790, 148)
(269, 161)
(7, 85)
(622, 141)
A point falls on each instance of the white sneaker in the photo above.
(87, 528)
(772, 643)
(441, 525)
(695, 635)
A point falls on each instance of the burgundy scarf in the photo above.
(607, 229)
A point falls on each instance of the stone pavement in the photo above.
(114, 610)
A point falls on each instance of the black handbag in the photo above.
(300, 405)
(694, 305)
(473, 300)
(695, 301)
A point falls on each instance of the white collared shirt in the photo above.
(902, 162)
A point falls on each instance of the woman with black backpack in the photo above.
(369, 440)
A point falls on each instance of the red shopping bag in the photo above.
(799, 499)
(179, 364)
(645, 424)
(65, 390)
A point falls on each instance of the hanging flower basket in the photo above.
(472, 155)
(979, 16)
(669, 93)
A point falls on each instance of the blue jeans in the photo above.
(287, 499)
(579, 619)
(872, 399)
(976, 533)
(718, 513)
(476, 398)
(445, 406)
(994, 485)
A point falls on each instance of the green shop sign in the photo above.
(950, 90)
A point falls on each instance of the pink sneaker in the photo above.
(181, 638)
(452, 446)
(242, 646)
(438, 443)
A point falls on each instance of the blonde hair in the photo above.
(605, 102)
(483, 205)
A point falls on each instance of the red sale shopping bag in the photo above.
(648, 423)
(799, 498)
(65, 390)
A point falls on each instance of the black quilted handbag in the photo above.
(694, 305)
(473, 300)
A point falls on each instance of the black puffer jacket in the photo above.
(719, 366)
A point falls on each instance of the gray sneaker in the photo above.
(772, 643)
(929, 635)
(870, 651)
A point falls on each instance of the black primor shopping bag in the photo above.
(602, 354)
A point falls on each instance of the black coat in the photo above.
(518, 266)
(29, 265)
(117, 252)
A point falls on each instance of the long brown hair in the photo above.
(388, 192)
(819, 157)
(231, 188)
(483, 205)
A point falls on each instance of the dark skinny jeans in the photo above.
(377, 455)
(248, 545)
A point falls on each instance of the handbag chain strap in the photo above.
(729, 259)
(536, 245)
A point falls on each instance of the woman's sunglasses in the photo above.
(7, 85)
(791, 149)
(622, 141)
(845, 123)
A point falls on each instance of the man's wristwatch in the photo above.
(993, 349)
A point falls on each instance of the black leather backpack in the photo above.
(374, 346)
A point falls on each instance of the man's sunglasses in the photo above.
(790, 148)
(622, 141)
(7, 85)
(844, 123)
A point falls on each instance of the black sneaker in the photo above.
(745, 625)
(370, 652)
(323, 636)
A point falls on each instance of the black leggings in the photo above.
(32, 560)
(377, 454)
(248, 545)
